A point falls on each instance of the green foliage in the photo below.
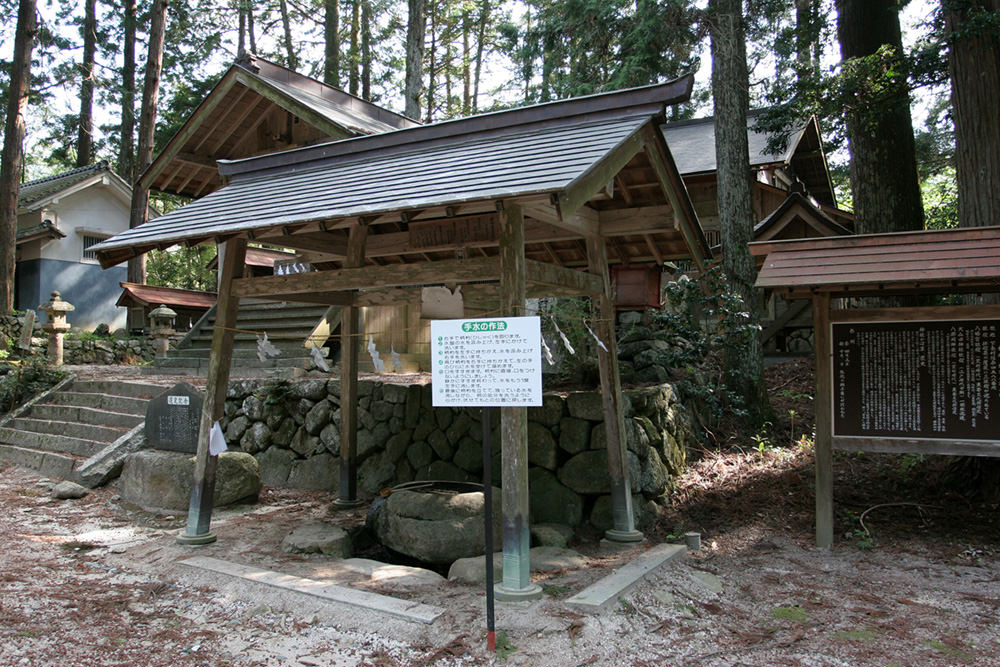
(566, 49)
(182, 267)
(708, 319)
(940, 195)
(26, 381)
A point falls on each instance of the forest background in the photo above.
(478, 55)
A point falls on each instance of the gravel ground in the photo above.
(93, 582)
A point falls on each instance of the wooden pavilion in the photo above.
(925, 378)
(508, 205)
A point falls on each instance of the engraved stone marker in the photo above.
(172, 419)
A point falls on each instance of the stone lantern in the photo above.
(161, 321)
(57, 325)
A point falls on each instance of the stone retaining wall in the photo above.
(292, 428)
(109, 351)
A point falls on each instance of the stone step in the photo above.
(62, 444)
(126, 404)
(85, 415)
(117, 388)
(269, 320)
(68, 428)
(275, 337)
(244, 363)
(49, 464)
(247, 352)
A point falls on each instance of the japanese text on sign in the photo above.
(917, 379)
(490, 362)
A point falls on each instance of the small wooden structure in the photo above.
(509, 205)
(908, 379)
(189, 305)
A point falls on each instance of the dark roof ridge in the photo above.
(101, 165)
(650, 100)
(251, 63)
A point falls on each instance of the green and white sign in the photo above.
(487, 362)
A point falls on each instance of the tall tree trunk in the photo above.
(431, 59)
(466, 61)
(286, 24)
(241, 44)
(366, 49)
(731, 99)
(251, 36)
(353, 55)
(126, 148)
(974, 65)
(13, 147)
(884, 178)
(85, 133)
(147, 126)
(416, 26)
(484, 19)
(331, 43)
(807, 43)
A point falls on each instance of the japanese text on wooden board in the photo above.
(926, 379)
(489, 362)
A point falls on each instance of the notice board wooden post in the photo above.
(350, 344)
(516, 582)
(824, 431)
(221, 356)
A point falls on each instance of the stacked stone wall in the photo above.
(293, 429)
(111, 351)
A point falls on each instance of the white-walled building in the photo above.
(58, 219)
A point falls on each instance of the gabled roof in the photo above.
(692, 143)
(37, 194)
(559, 154)
(795, 208)
(227, 123)
(950, 260)
(154, 295)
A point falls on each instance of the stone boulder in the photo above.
(317, 537)
(436, 527)
(157, 480)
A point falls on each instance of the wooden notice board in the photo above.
(917, 379)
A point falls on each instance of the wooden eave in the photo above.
(945, 261)
(226, 124)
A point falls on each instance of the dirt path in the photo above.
(91, 582)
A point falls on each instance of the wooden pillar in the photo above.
(350, 344)
(823, 403)
(611, 389)
(200, 510)
(516, 583)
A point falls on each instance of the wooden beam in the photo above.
(909, 314)
(611, 391)
(189, 128)
(652, 248)
(793, 311)
(200, 160)
(824, 420)
(219, 361)
(585, 186)
(238, 126)
(578, 282)
(638, 220)
(673, 188)
(291, 104)
(225, 118)
(516, 581)
(350, 345)
(917, 446)
(446, 271)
